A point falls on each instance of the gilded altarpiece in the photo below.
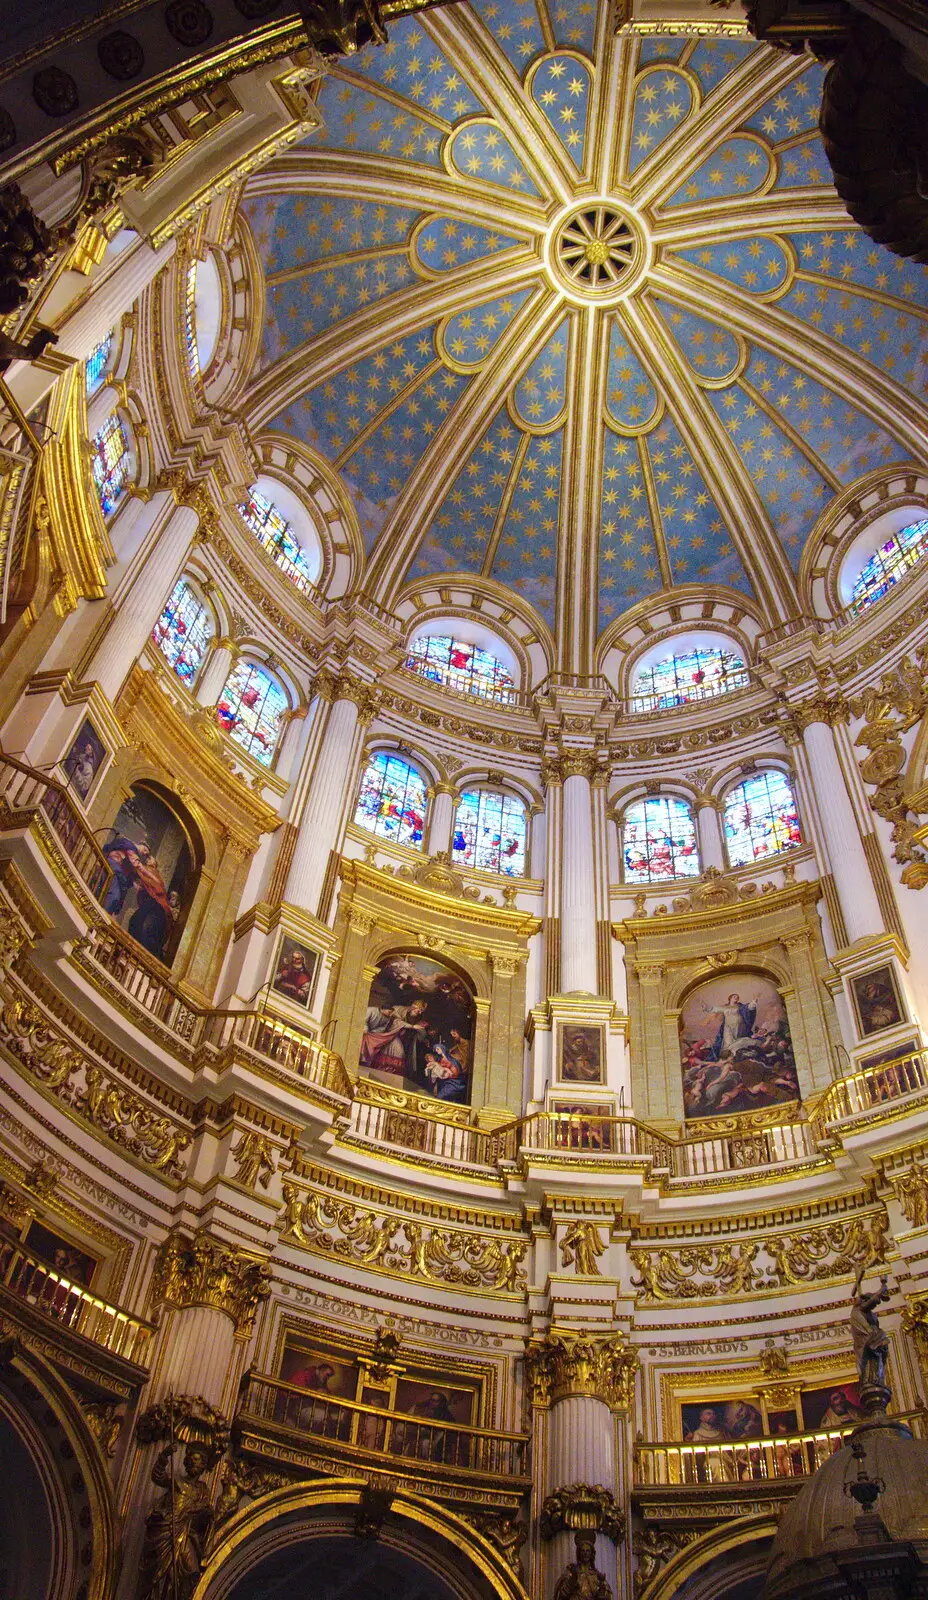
(429, 913)
(775, 937)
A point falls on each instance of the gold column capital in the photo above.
(563, 1364)
(200, 1270)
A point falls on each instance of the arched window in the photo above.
(250, 708)
(696, 673)
(659, 837)
(889, 563)
(489, 832)
(392, 799)
(462, 666)
(190, 319)
(97, 363)
(761, 818)
(184, 630)
(272, 530)
(111, 463)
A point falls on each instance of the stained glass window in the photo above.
(250, 708)
(489, 832)
(659, 840)
(184, 630)
(110, 463)
(695, 675)
(272, 530)
(761, 818)
(392, 799)
(190, 320)
(465, 667)
(96, 364)
(889, 563)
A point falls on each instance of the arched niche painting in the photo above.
(735, 1047)
(152, 852)
(419, 1029)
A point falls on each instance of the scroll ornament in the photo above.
(447, 1256)
(588, 1506)
(696, 1272)
(114, 1110)
(562, 1364)
(200, 1270)
(890, 708)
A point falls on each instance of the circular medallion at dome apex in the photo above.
(441, 331)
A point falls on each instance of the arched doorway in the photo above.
(343, 1539)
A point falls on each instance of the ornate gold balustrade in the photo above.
(869, 1088)
(31, 802)
(78, 1310)
(317, 1431)
(795, 1455)
(258, 1038)
(381, 1116)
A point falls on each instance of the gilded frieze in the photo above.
(448, 1257)
(775, 1262)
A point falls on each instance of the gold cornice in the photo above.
(804, 893)
(372, 888)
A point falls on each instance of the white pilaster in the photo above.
(709, 834)
(215, 673)
(846, 857)
(441, 821)
(578, 896)
(323, 815)
(140, 603)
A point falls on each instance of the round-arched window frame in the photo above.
(298, 556)
(491, 832)
(202, 314)
(693, 671)
(659, 840)
(392, 799)
(185, 630)
(97, 365)
(761, 818)
(112, 462)
(892, 559)
(461, 664)
(252, 707)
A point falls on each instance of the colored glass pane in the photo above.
(184, 630)
(695, 675)
(250, 708)
(392, 799)
(761, 818)
(96, 364)
(110, 463)
(461, 666)
(272, 530)
(190, 321)
(901, 552)
(489, 832)
(659, 840)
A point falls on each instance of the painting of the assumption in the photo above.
(153, 880)
(419, 1029)
(735, 1047)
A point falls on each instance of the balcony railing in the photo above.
(74, 1307)
(389, 1434)
(266, 1038)
(144, 980)
(792, 1455)
(870, 1087)
(28, 792)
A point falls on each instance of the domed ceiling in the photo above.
(580, 313)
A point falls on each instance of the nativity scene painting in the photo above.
(736, 1051)
(419, 1029)
(153, 879)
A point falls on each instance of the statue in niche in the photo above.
(179, 1525)
(581, 1579)
(871, 1342)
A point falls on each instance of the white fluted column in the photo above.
(322, 820)
(578, 885)
(841, 834)
(197, 1355)
(709, 834)
(216, 671)
(141, 601)
(444, 800)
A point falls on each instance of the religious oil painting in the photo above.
(84, 761)
(419, 1029)
(877, 1001)
(835, 1405)
(582, 1127)
(295, 972)
(721, 1421)
(782, 1423)
(149, 894)
(580, 1059)
(66, 1258)
(423, 1404)
(736, 1052)
(311, 1368)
